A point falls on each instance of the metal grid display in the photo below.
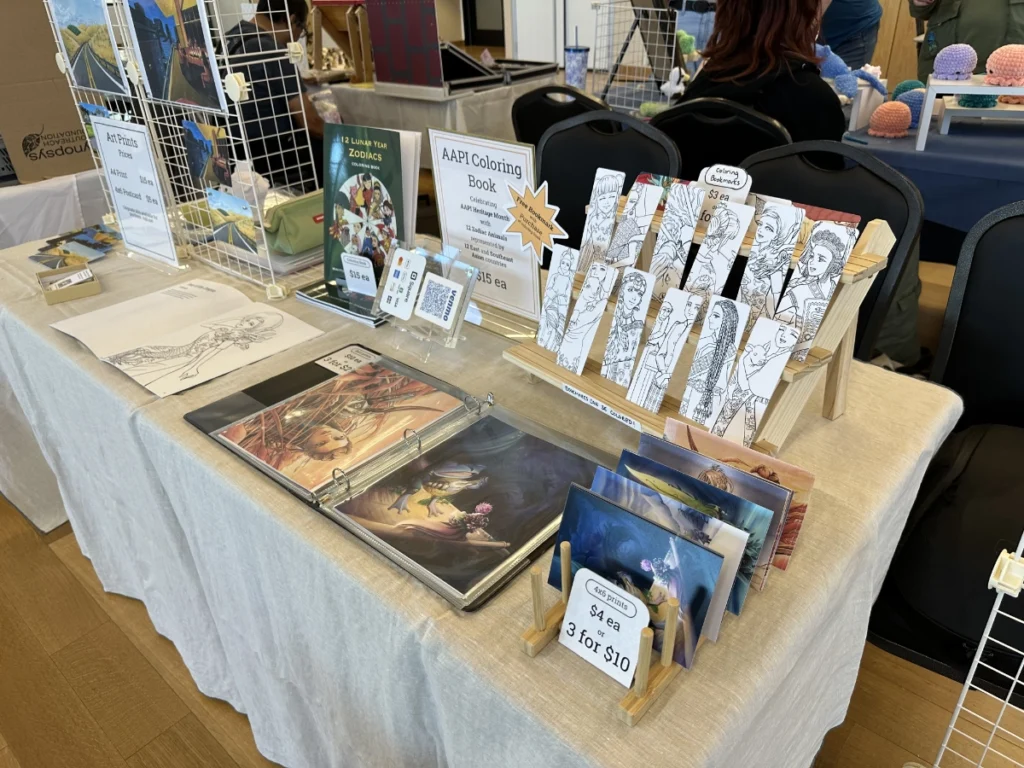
(259, 131)
(634, 53)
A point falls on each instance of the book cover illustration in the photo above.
(362, 196)
(466, 506)
(774, 470)
(694, 526)
(88, 42)
(711, 501)
(206, 153)
(339, 424)
(643, 558)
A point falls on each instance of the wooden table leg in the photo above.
(838, 375)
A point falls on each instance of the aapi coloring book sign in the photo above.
(472, 178)
(135, 188)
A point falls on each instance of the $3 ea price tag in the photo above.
(602, 625)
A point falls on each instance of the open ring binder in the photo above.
(419, 441)
(337, 473)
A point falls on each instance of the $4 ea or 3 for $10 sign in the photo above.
(602, 624)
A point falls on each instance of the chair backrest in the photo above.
(840, 177)
(570, 152)
(713, 130)
(979, 354)
(536, 111)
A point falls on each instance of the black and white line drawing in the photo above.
(557, 295)
(817, 274)
(604, 204)
(627, 326)
(722, 241)
(769, 259)
(754, 381)
(671, 329)
(713, 360)
(672, 248)
(637, 216)
(586, 316)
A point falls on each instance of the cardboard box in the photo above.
(79, 291)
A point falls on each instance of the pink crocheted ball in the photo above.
(1005, 66)
(890, 121)
(955, 62)
(1012, 99)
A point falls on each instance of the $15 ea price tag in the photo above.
(602, 625)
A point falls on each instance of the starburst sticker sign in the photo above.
(533, 219)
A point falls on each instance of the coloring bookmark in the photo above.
(637, 216)
(672, 248)
(769, 259)
(722, 241)
(557, 295)
(671, 329)
(627, 325)
(713, 360)
(604, 204)
(586, 316)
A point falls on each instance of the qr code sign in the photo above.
(439, 301)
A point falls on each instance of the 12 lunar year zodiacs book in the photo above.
(457, 491)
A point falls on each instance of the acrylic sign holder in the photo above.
(831, 356)
(650, 680)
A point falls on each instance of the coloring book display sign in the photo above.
(472, 177)
(135, 188)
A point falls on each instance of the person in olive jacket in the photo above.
(983, 24)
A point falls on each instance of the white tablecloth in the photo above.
(340, 659)
(47, 208)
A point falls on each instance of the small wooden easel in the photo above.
(649, 681)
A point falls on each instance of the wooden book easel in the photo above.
(649, 682)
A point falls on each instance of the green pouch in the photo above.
(297, 225)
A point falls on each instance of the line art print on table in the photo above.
(557, 296)
(718, 251)
(769, 259)
(672, 248)
(713, 360)
(754, 380)
(641, 205)
(671, 329)
(586, 316)
(814, 281)
(627, 326)
(604, 204)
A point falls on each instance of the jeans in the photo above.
(857, 50)
(699, 25)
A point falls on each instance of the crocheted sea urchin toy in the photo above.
(906, 85)
(890, 121)
(955, 62)
(914, 100)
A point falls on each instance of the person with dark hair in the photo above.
(278, 115)
(761, 54)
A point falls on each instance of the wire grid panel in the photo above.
(987, 726)
(634, 53)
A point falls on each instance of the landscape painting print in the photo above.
(339, 424)
(464, 507)
(88, 43)
(206, 153)
(232, 220)
(174, 49)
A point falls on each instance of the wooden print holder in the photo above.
(650, 680)
(831, 355)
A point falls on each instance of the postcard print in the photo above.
(87, 40)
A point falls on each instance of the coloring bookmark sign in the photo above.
(134, 186)
(723, 183)
(604, 408)
(472, 177)
(602, 625)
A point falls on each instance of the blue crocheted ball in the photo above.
(906, 85)
(915, 100)
(976, 101)
(955, 62)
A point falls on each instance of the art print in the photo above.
(175, 52)
(644, 559)
(78, 248)
(339, 424)
(586, 316)
(718, 251)
(672, 248)
(641, 205)
(604, 205)
(87, 39)
(713, 502)
(713, 360)
(694, 526)
(557, 295)
(232, 221)
(671, 329)
(206, 154)
(464, 507)
(814, 281)
(627, 326)
(769, 259)
(754, 380)
(774, 470)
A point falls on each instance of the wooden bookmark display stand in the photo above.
(649, 682)
(832, 353)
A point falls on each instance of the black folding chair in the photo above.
(713, 130)
(837, 176)
(570, 152)
(536, 111)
